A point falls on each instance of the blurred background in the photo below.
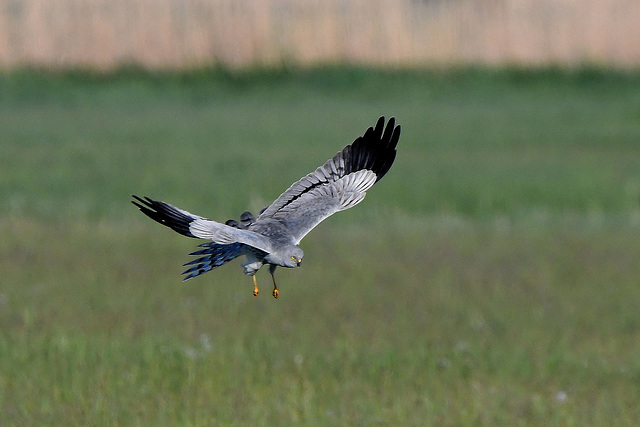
(194, 33)
(491, 278)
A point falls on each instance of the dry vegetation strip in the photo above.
(177, 34)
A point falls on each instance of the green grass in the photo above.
(491, 278)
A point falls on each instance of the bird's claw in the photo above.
(275, 293)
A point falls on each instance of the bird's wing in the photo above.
(191, 225)
(340, 183)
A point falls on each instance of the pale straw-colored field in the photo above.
(190, 33)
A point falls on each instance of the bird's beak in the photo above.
(299, 261)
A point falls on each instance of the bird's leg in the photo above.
(255, 286)
(272, 269)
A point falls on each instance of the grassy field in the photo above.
(491, 278)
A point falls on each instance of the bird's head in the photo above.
(295, 257)
(290, 257)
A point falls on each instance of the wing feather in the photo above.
(302, 215)
(191, 225)
(374, 151)
(340, 183)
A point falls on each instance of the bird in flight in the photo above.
(273, 237)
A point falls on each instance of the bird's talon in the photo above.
(275, 293)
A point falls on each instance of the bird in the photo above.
(273, 237)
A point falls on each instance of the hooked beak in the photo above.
(299, 261)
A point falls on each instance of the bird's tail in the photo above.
(215, 255)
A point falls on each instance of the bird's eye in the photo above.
(293, 258)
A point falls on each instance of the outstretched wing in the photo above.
(191, 225)
(340, 183)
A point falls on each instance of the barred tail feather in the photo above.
(215, 255)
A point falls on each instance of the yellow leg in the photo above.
(275, 287)
(255, 286)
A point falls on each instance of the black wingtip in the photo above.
(376, 149)
(164, 214)
(380, 125)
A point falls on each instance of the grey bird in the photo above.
(273, 237)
